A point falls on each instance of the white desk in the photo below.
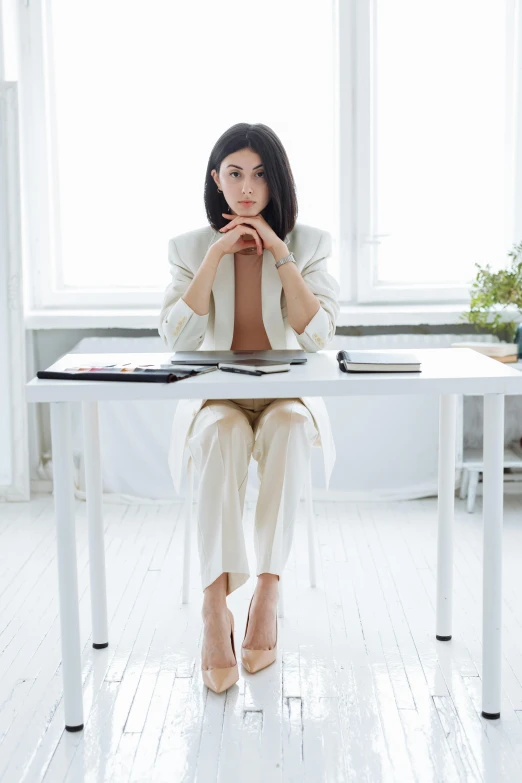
(446, 372)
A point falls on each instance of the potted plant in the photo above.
(491, 289)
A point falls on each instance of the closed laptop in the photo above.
(284, 356)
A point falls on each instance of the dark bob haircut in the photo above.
(281, 211)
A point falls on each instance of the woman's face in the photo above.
(241, 177)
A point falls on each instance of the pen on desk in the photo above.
(199, 367)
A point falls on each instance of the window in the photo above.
(434, 166)
(138, 94)
(402, 120)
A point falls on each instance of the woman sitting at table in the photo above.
(254, 279)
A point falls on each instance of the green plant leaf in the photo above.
(490, 289)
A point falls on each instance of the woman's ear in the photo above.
(214, 176)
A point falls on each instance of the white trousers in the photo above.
(279, 434)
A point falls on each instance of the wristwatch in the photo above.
(289, 257)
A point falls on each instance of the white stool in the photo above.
(472, 465)
(188, 530)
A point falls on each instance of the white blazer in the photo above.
(184, 330)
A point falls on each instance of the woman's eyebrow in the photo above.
(240, 167)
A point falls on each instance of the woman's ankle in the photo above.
(267, 583)
(215, 596)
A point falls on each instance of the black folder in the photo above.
(128, 372)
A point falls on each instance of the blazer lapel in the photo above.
(223, 290)
(224, 302)
(271, 287)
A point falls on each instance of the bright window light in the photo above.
(142, 92)
(438, 139)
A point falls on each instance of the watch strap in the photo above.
(289, 257)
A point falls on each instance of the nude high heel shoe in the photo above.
(254, 660)
(218, 680)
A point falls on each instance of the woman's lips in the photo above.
(246, 202)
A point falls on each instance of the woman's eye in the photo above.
(237, 172)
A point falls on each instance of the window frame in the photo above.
(352, 242)
(40, 188)
(368, 289)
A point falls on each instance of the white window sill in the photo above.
(350, 315)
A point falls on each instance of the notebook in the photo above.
(368, 361)
(283, 356)
(150, 373)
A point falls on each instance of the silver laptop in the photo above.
(291, 356)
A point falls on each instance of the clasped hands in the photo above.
(259, 235)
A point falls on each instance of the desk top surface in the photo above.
(443, 371)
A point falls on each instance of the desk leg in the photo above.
(93, 487)
(493, 509)
(446, 513)
(67, 565)
(189, 489)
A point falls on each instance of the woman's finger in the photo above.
(242, 229)
(236, 221)
(233, 223)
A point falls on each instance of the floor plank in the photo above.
(361, 689)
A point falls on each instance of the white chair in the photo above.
(188, 529)
(472, 466)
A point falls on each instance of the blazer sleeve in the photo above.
(320, 330)
(179, 326)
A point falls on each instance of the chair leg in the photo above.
(188, 530)
(464, 484)
(310, 526)
(472, 489)
(280, 603)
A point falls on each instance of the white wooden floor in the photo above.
(361, 690)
